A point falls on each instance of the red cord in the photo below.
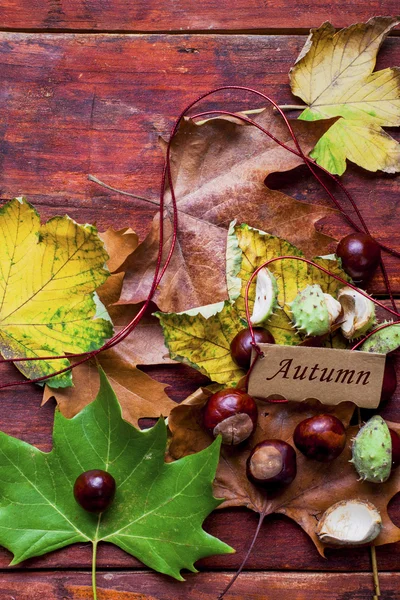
(160, 270)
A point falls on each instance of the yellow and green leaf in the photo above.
(203, 342)
(334, 76)
(48, 277)
(201, 337)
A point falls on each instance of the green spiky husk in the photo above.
(372, 451)
(310, 312)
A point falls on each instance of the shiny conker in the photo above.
(322, 437)
(272, 462)
(94, 490)
(241, 344)
(360, 255)
(389, 383)
(395, 449)
(231, 413)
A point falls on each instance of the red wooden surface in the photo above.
(73, 104)
(185, 15)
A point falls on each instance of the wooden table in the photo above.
(87, 86)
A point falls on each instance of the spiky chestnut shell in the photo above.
(372, 451)
(349, 523)
(232, 414)
(266, 299)
(383, 341)
(313, 312)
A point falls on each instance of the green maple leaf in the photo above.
(48, 277)
(158, 508)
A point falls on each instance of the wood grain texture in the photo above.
(80, 104)
(181, 15)
(204, 586)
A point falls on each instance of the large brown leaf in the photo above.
(317, 485)
(219, 168)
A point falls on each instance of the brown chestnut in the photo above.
(241, 344)
(272, 462)
(313, 341)
(395, 449)
(322, 437)
(94, 490)
(389, 384)
(231, 413)
(360, 255)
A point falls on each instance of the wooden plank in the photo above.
(202, 586)
(181, 15)
(79, 104)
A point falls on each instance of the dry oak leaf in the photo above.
(218, 169)
(48, 277)
(145, 344)
(317, 485)
(119, 244)
(139, 395)
(248, 248)
(334, 76)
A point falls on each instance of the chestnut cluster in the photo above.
(232, 413)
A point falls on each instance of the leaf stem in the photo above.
(113, 189)
(377, 589)
(94, 556)
(292, 107)
(236, 575)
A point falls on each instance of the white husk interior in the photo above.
(265, 297)
(334, 308)
(358, 311)
(350, 522)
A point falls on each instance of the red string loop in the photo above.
(160, 269)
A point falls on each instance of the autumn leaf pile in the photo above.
(65, 289)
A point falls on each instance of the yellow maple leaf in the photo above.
(334, 76)
(48, 275)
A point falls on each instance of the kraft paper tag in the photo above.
(331, 376)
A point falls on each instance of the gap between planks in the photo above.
(183, 32)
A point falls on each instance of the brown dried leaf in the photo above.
(317, 485)
(219, 168)
(119, 245)
(139, 395)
